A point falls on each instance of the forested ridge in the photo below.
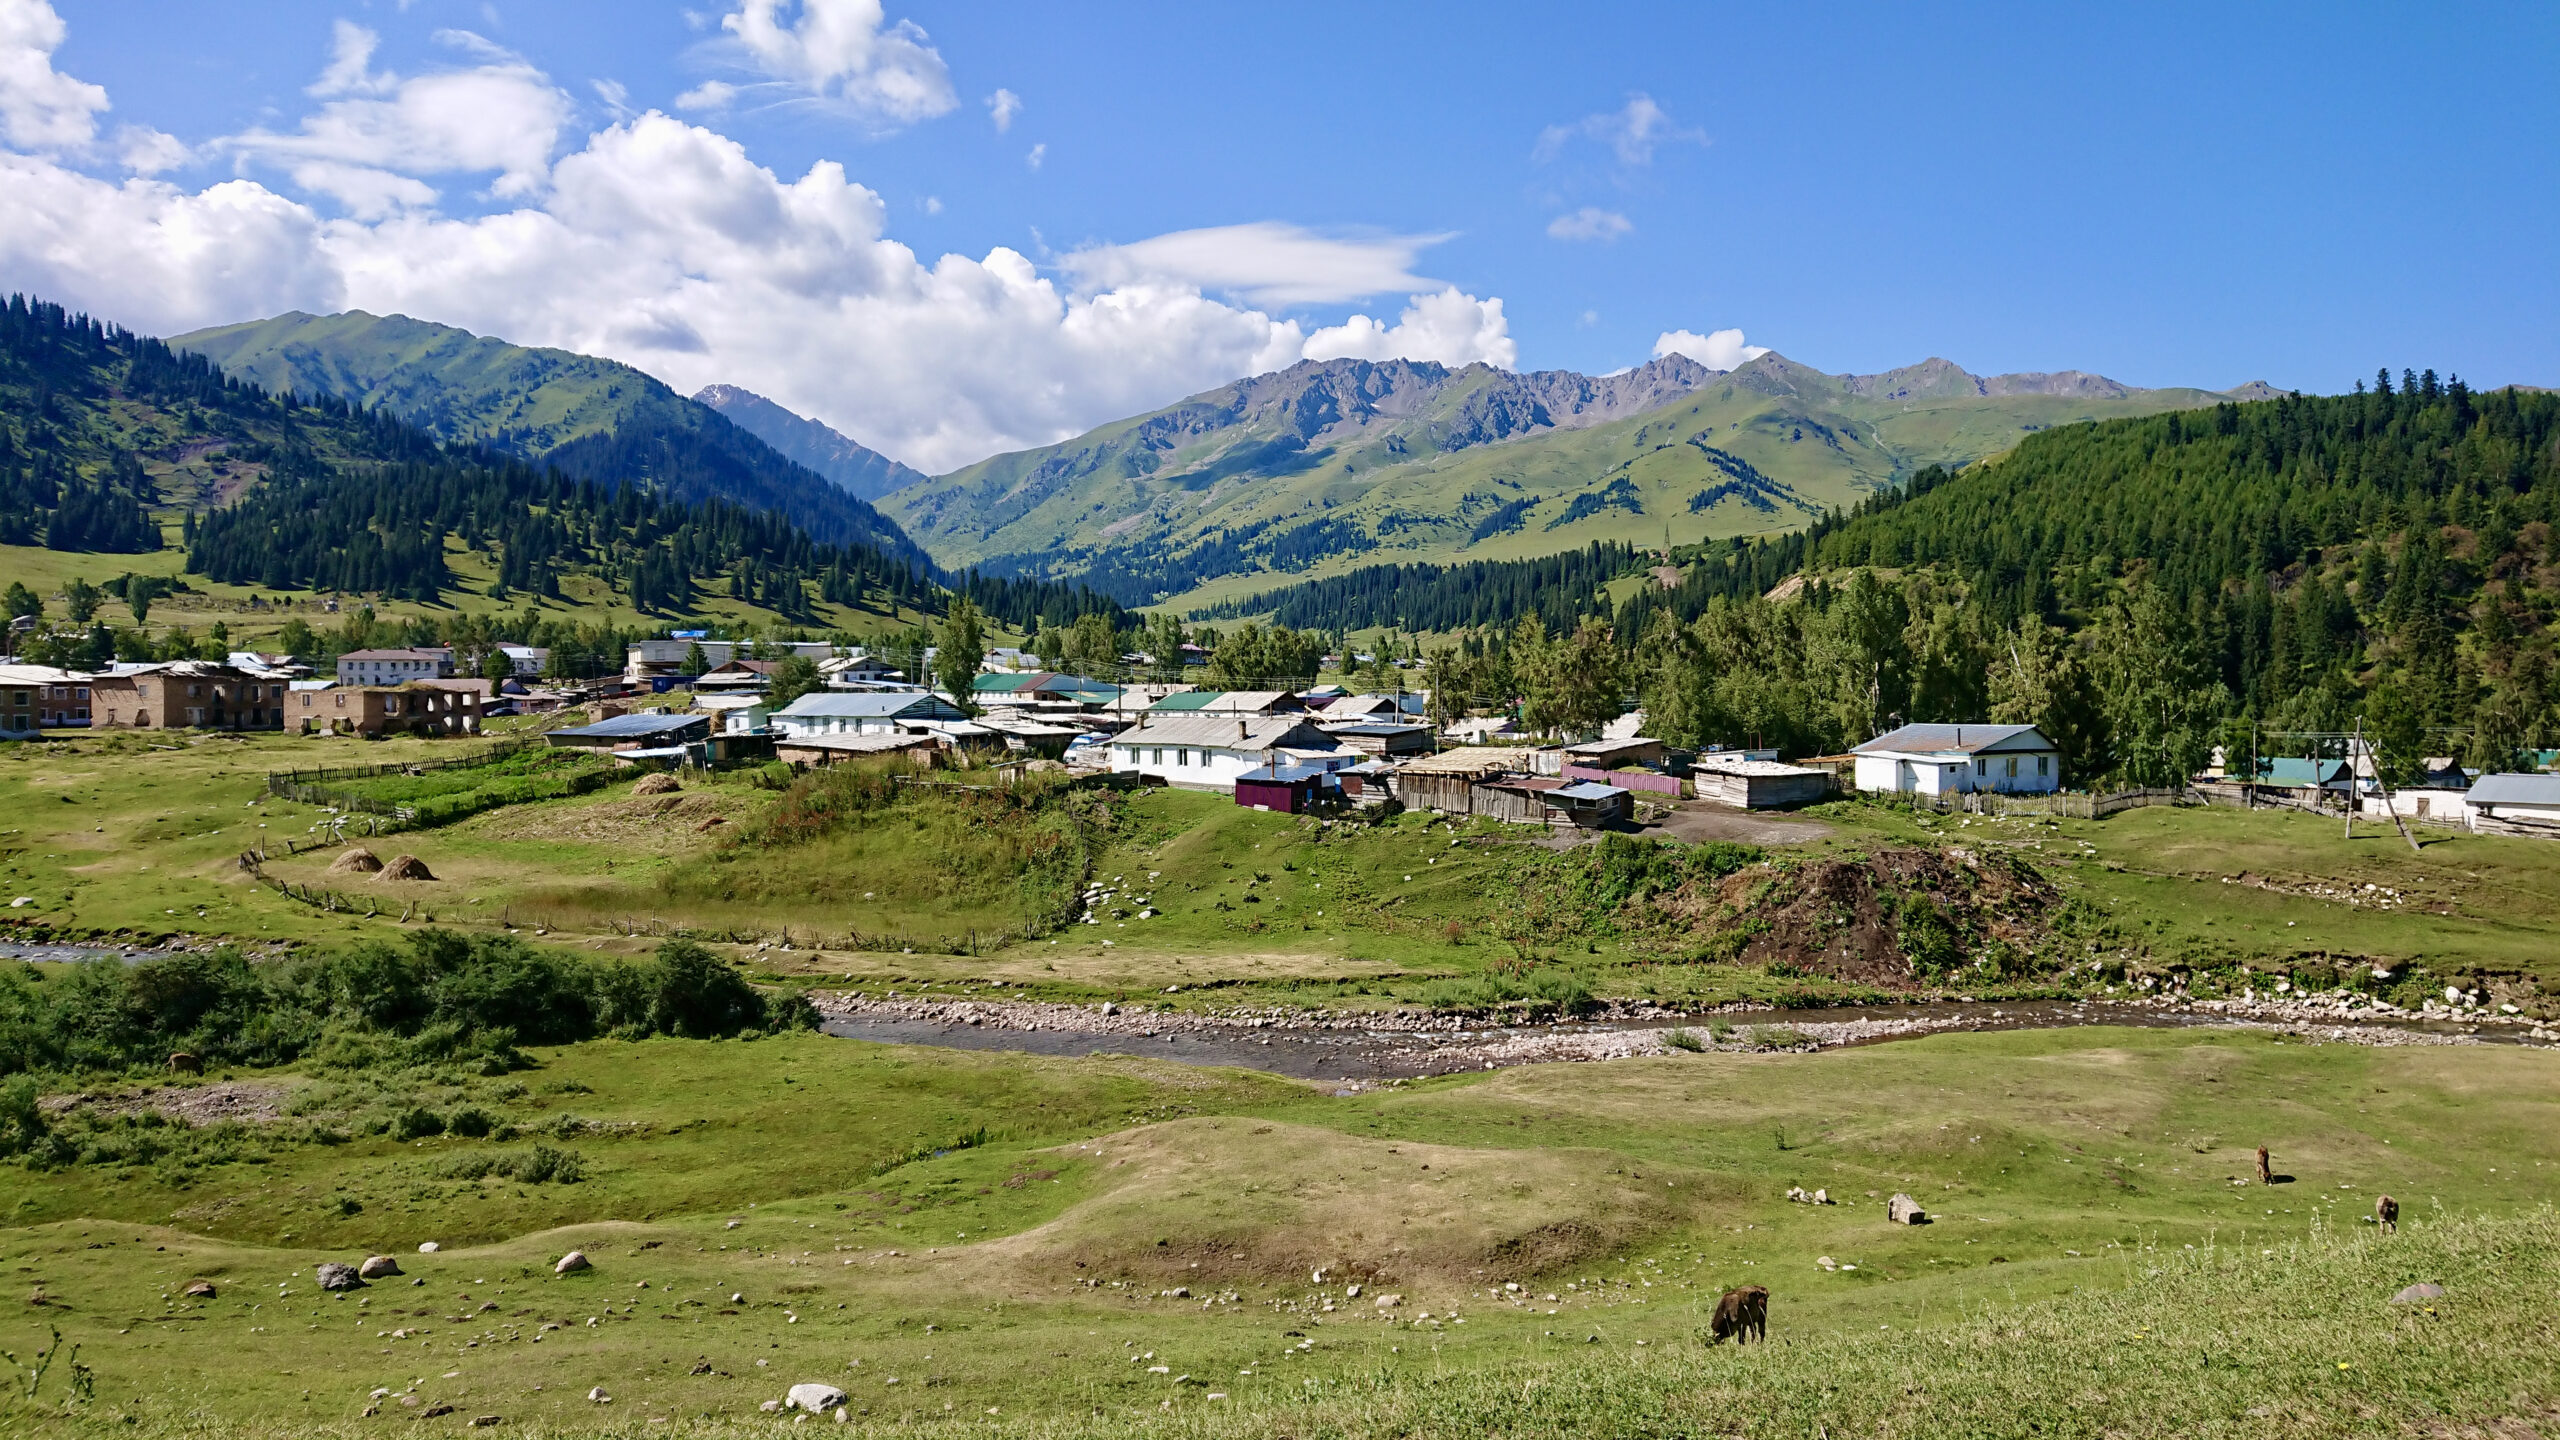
(359, 502)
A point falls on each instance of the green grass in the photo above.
(2087, 1162)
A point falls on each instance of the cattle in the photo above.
(1742, 1314)
(2386, 1213)
(2266, 1176)
(183, 1063)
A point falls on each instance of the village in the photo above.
(690, 700)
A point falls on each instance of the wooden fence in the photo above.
(2063, 804)
(1627, 779)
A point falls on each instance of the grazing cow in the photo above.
(2266, 1176)
(2386, 1212)
(183, 1063)
(1741, 1313)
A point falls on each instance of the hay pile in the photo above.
(358, 861)
(659, 784)
(406, 867)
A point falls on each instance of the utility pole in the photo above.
(2390, 804)
(2350, 806)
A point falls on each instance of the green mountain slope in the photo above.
(855, 468)
(593, 418)
(1327, 466)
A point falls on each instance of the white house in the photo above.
(1960, 759)
(883, 712)
(1208, 752)
(395, 667)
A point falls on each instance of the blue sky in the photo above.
(2167, 195)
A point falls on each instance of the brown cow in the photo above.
(183, 1063)
(2266, 1176)
(1741, 1313)
(2386, 1212)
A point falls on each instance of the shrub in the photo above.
(416, 1123)
(472, 1122)
(1681, 1039)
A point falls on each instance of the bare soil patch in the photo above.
(252, 1102)
(1695, 822)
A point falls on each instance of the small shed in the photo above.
(1608, 754)
(1757, 784)
(1289, 789)
(1515, 799)
(1384, 739)
(1445, 782)
(2516, 804)
(1590, 805)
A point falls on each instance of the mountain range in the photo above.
(593, 418)
(1327, 465)
(1300, 473)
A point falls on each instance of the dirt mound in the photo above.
(406, 867)
(1901, 918)
(659, 784)
(1255, 1200)
(358, 861)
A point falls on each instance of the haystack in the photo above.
(406, 867)
(658, 784)
(357, 861)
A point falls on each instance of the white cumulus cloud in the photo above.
(1450, 327)
(842, 53)
(41, 108)
(663, 244)
(1002, 106)
(1721, 350)
(1589, 223)
(375, 134)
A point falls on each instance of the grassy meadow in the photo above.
(761, 1213)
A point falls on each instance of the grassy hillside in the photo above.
(591, 417)
(1324, 468)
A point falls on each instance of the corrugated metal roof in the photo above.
(861, 704)
(1237, 732)
(1283, 775)
(2514, 789)
(635, 727)
(1187, 700)
(1588, 790)
(1955, 740)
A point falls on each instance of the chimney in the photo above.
(1243, 728)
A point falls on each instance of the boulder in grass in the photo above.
(575, 1260)
(1903, 1210)
(199, 1290)
(406, 867)
(334, 1276)
(658, 784)
(355, 861)
(376, 1267)
(814, 1397)
(2424, 1290)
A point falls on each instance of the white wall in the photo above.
(1210, 769)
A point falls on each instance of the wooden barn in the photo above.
(1757, 784)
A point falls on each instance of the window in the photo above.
(1159, 755)
(2043, 761)
(1182, 757)
(342, 702)
(306, 700)
(17, 697)
(1981, 766)
(195, 692)
(2013, 767)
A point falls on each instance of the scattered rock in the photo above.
(598, 1396)
(199, 1290)
(659, 784)
(1389, 1302)
(770, 1406)
(376, 1267)
(1903, 1210)
(406, 867)
(429, 1248)
(433, 1411)
(479, 1422)
(814, 1396)
(574, 1260)
(700, 1367)
(356, 861)
(2424, 1290)
(334, 1276)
